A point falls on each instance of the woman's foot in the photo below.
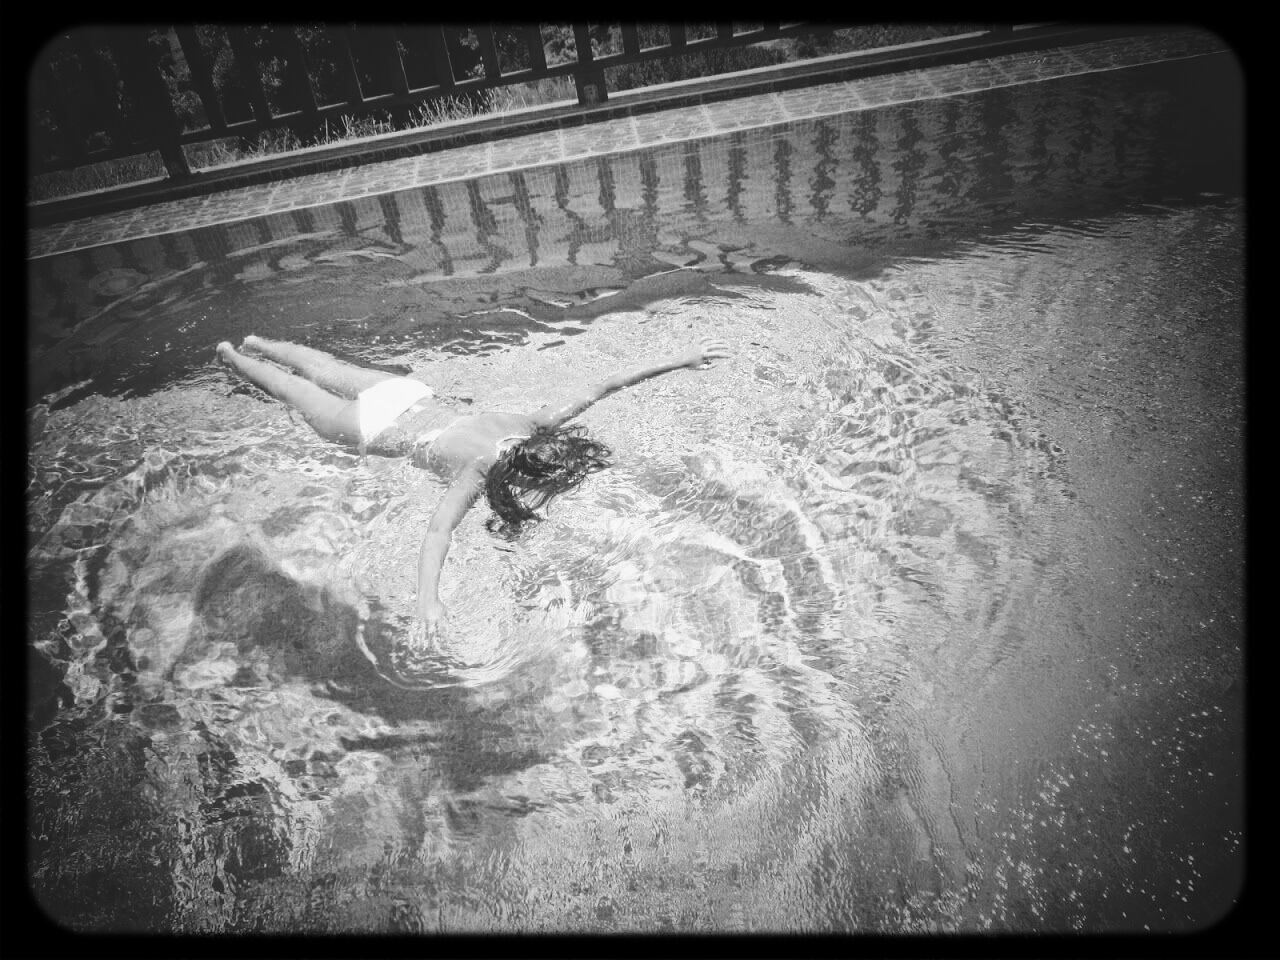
(226, 351)
(251, 342)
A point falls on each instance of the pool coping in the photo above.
(698, 109)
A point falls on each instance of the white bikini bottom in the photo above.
(380, 405)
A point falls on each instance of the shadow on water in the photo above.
(286, 630)
(155, 792)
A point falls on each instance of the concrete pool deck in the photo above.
(619, 135)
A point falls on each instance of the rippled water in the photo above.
(923, 612)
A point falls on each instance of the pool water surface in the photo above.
(923, 612)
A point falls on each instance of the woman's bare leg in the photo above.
(333, 417)
(320, 368)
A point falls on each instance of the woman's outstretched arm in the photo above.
(462, 493)
(555, 414)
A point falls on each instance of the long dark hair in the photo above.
(528, 475)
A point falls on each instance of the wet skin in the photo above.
(464, 451)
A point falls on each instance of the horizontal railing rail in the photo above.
(106, 93)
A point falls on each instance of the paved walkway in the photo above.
(618, 135)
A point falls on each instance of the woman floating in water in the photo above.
(520, 460)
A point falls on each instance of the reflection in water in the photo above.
(905, 619)
(903, 173)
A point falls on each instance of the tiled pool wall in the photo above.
(1043, 133)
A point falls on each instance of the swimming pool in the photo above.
(922, 613)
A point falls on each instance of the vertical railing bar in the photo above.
(395, 64)
(439, 46)
(431, 41)
(344, 37)
(73, 138)
(300, 80)
(630, 39)
(247, 60)
(488, 51)
(201, 77)
(582, 40)
(299, 76)
(677, 35)
(588, 78)
(141, 74)
(455, 55)
(537, 55)
(93, 39)
(87, 42)
(724, 32)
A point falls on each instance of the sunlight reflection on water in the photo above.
(923, 612)
(755, 676)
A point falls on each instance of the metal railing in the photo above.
(105, 93)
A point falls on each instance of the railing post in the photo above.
(588, 78)
(430, 43)
(141, 73)
(299, 77)
(71, 135)
(386, 47)
(344, 39)
(537, 56)
(201, 77)
(384, 44)
(247, 61)
(488, 51)
(299, 80)
(630, 39)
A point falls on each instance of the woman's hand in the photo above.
(430, 622)
(709, 349)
